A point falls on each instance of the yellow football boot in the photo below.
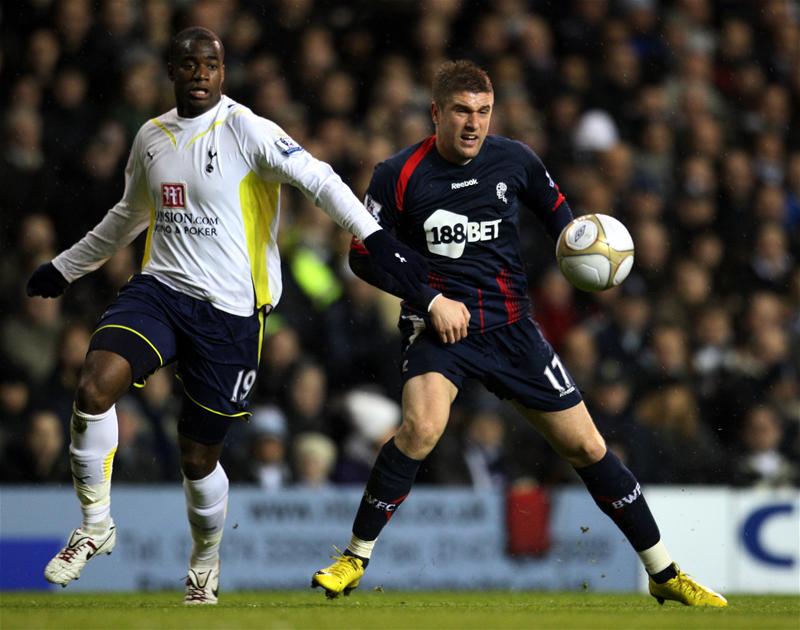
(341, 577)
(686, 590)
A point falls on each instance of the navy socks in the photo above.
(389, 484)
(616, 491)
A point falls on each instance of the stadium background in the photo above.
(680, 118)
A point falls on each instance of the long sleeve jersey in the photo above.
(207, 189)
(465, 220)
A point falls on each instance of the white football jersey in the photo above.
(208, 191)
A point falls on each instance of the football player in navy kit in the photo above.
(204, 180)
(455, 198)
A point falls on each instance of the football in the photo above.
(595, 252)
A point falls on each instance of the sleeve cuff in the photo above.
(435, 297)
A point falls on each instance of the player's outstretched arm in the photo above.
(46, 281)
(363, 265)
(406, 266)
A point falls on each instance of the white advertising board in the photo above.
(734, 541)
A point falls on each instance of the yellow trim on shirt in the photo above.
(262, 320)
(216, 123)
(202, 133)
(163, 128)
(149, 238)
(259, 201)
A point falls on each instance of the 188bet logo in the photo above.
(448, 232)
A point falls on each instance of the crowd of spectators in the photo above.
(680, 118)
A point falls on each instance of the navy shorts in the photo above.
(217, 353)
(514, 362)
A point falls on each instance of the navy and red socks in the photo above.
(388, 486)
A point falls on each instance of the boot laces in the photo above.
(68, 553)
(344, 565)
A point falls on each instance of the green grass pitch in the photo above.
(287, 610)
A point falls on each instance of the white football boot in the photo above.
(202, 586)
(81, 547)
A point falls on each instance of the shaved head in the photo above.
(192, 34)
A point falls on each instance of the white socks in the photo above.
(206, 505)
(656, 558)
(361, 548)
(91, 455)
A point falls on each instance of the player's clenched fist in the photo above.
(450, 319)
(46, 281)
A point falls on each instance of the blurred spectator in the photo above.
(40, 456)
(305, 397)
(161, 410)
(684, 448)
(713, 343)
(355, 343)
(68, 116)
(90, 183)
(136, 459)
(140, 92)
(313, 460)
(610, 398)
(652, 254)
(73, 22)
(623, 337)
(73, 344)
(595, 132)
(667, 355)
(482, 460)
(23, 167)
(43, 53)
(770, 262)
(281, 351)
(761, 463)
(580, 356)
(29, 337)
(554, 305)
(263, 460)
(35, 243)
(372, 419)
(16, 398)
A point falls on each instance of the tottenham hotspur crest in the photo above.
(501, 189)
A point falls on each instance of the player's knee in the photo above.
(420, 436)
(588, 451)
(198, 463)
(104, 377)
(91, 396)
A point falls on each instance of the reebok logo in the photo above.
(469, 182)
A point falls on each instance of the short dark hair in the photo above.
(193, 33)
(459, 76)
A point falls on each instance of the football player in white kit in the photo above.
(204, 180)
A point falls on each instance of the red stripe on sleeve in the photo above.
(408, 168)
(559, 201)
(357, 246)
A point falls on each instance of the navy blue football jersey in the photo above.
(465, 220)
